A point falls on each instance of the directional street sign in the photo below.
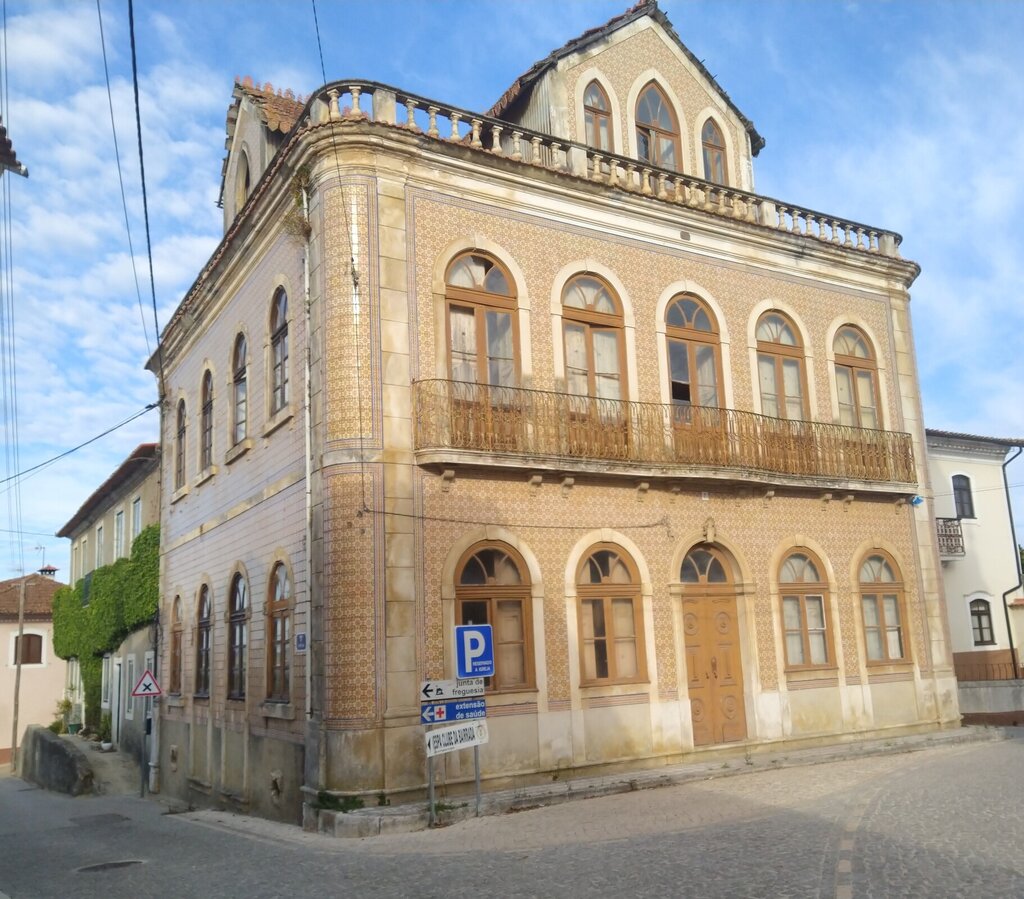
(147, 685)
(474, 650)
(461, 736)
(459, 710)
(439, 690)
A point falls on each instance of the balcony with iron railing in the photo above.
(477, 424)
(950, 538)
(354, 102)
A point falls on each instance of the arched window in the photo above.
(279, 631)
(203, 642)
(483, 341)
(657, 133)
(780, 368)
(805, 612)
(239, 411)
(597, 116)
(242, 181)
(179, 448)
(592, 326)
(856, 379)
(962, 496)
(981, 622)
(206, 438)
(279, 352)
(176, 635)
(714, 153)
(881, 596)
(693, 353)
(237, 637)
(492, 587)
(610, 618)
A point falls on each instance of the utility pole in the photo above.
(20, 644)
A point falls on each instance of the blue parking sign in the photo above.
(474, 650)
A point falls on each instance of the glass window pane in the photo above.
(819, 651)
(707, 377)
(716, 573)
(892, 610)
(463, 344)
(576, 369)
(622, 618)
(844, 391)
(791, 612)
(870, 604)
(509, 623)
(473, 611)
(593, 619)
(769, 389)
(894, 641)
(794, 389)
(606, 364)
(815, 607)
(511, 667)
(625, 657)
(866, 399)
(794, 648)
(501, 367)
(874, 644)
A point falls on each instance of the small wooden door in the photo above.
(713, 661)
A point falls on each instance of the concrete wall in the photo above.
(42, 685)
(992, 702)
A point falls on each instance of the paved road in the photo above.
(947, 821)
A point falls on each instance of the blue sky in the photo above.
(904, 115)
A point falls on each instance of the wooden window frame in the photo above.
(778, 352)
(593, 321)
(713, 151)
(181, 433)
(653, 132)
(239, 391)
(174, 688)
(802, 591)
(279, 352)
(981, 612)
(238, 636)
(278, 640)
(493, 595)
(963, 496)
(204, 643)
(594, 115)
(877, 590)
(206, 421)
(855, 364)
(607, 593)
(693, 338)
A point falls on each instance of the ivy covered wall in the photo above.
(121, 598)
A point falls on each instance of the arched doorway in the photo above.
(712, 639)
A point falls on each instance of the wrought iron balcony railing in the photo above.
(454, 415)
(950, 537)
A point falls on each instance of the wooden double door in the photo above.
(714, 667)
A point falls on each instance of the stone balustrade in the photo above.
(367, 100)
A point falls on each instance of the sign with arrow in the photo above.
(147, 685)
(459, 710)
(440, 690)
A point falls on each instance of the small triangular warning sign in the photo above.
(147, 685)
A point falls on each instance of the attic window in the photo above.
(657, 134)
(597, 116)
(242, 181)
(714, 153)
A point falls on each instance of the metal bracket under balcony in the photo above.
(950, 538)
(509, 427)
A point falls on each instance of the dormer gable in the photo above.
(633, 88)
(258, 121)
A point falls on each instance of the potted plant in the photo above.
(106, 743)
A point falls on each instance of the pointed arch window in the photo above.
(238, 626)
(597, 117)
(203, 642)
(206, 438)
(240, 391)
(882, 606)
(805, 612)
(592, 326)
(176, 641)
(242, 181)
(963, 499)
(279, 633)
(279, 352)
(693, 353)
(483, 338)
(492, 587)
(780, 368)
(610, 618)
(657, 131)
(179, 447)
(856, 378)
(714, 153)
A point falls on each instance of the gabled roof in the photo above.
(39, 592)
(643, 8)
(143, 458)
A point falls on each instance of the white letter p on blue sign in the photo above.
(474, 651)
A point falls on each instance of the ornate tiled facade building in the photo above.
(560, 369)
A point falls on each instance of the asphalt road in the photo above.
(945, 821)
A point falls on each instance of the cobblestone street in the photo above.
(945, 821)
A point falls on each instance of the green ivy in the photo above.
(122, 597)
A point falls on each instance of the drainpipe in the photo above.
(1016, 557)
(307, 402)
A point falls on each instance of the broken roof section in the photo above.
(522, 86)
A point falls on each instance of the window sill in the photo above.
(238, 450)
(282, 710)
(279, 419)
(890, 667)
(811, 672)
(206, 474)
(174, 701)
(203, 698)
(612, 688)
(179, 494)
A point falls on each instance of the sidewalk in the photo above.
(376, 821)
